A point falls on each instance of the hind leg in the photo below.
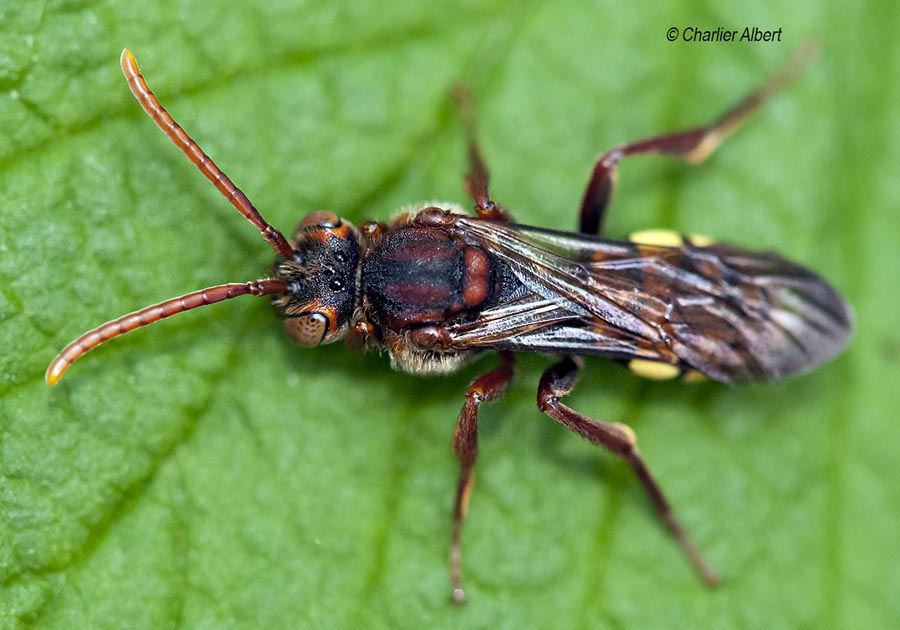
(692, 145)
(619, 440)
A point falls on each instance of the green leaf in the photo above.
(204, 472)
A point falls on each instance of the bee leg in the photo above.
(692, 145)
(490, 386)
(476, 180)
(620, 440)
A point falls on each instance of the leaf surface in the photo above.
(204, 472)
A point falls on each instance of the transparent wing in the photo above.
(729, 313)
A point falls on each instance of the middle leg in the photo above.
(477, 179)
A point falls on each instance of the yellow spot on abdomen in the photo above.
(668, 238)
(658, 237)
(693, 376)
(654, 369)
(699, 240)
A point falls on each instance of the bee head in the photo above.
(321, 278)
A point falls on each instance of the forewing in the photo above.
(729, 313)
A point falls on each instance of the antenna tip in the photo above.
(127, 60)
(55, 371)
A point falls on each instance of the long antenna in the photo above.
(150, 314)
(195, 154)
(147, 315)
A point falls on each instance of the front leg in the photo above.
(620, 440)
(490, 386)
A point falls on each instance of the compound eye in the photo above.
(308, 329)
(323, 218)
